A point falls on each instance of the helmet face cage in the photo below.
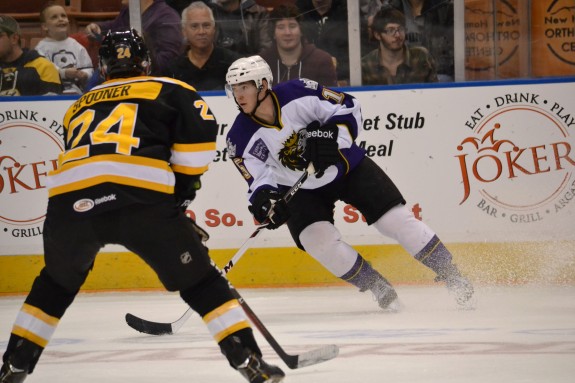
(252, 68)
(124, 54)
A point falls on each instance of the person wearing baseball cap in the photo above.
(23, 72)
(9, 25)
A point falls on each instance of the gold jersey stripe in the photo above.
(30, 336)
(140, 172)
(39, 314)
(189, 170)
(192, 160)
(73, 155)
(34, 324)
(136, 160)
(78, 185)
(230, 330)
(226, 319)
(199, 147)
(169, 80)
(218, 311)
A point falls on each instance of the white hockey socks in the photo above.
(323, 242)
(400, 224)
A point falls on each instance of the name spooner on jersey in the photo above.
(105, 94)
(148, 90)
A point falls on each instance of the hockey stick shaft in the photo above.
(161, 328)
(286, 197)
(309, 358)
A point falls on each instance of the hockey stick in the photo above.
(160, 328)
(308, 358)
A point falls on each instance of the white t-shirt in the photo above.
(66, 54)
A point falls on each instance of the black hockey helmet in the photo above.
(124, 54)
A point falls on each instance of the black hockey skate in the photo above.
(10, 374)
(459, 286)
(255, 370)
(385, 295)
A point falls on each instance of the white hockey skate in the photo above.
(460, 287)
(385, 295)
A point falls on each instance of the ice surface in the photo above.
(517, 334)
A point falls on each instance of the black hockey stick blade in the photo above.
(146, 327)
(156, 328)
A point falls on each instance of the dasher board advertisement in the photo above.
(485, 163)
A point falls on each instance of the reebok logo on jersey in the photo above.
(320, 134)
(108, 198)
(86, 204)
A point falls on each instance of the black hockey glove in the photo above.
(269, 207)
(186, 188)
(321, 147)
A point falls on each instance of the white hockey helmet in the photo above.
(252, 68)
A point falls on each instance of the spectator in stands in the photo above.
(243, 26)
(203, 65)
(394, 62)
(23, 72)
(430, 24)
(367, 9)
(290, 56)
(324, 24)
(71, 58)
(161, 30)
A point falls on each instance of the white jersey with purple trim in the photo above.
(270, 155)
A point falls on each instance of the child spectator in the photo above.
(72, 59)
(23, 72)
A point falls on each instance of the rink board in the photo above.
(485, 263)
(489, 166)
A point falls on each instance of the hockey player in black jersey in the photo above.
(135, 148)
(278, 132)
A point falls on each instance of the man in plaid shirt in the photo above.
(393, 62)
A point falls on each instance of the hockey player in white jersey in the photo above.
(271, 142)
